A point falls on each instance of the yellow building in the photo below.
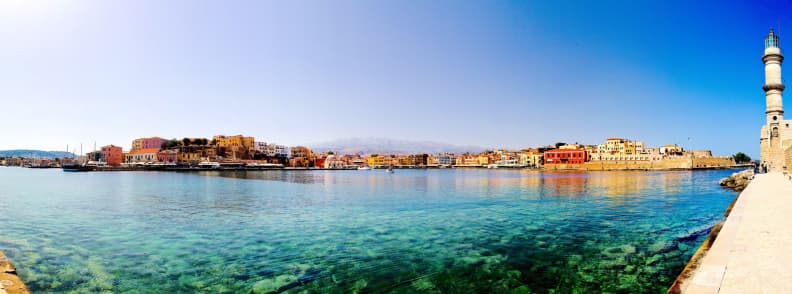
(483, 159)
(619, 149)
(531, 159)
(234, 141)
(189, 156)
(375, 160)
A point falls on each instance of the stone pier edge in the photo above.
(695, 260)
(10, 283)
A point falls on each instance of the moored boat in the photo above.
(75, 167)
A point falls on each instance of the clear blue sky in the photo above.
(487, 73)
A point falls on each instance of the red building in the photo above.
(319, 162)
(112, 155)
(565, 156)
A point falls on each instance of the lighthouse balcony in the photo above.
(779, 87)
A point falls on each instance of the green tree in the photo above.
(559, 144)
(186, 141)
(171, 144)
(741, 157)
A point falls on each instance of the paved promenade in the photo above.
(753, 251)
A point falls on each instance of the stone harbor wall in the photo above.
(10, 283)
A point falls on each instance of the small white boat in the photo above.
(364, 168)
(389, 170)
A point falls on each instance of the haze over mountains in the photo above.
(389, 146)
(34, 153)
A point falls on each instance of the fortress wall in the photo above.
(713, 162)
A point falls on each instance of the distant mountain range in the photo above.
(389, 146)
(34, 153)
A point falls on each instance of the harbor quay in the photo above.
(751, 251)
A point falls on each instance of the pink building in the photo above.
(147, 143)
(153, 142)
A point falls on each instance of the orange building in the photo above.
(112, 155)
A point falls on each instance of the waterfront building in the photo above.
(565, 156)
(530, 159)
(301, 151)
(411, 160)
(508, 160)
(375, 160)
(142, 155)
(776, 135)
(190, 157)
(618, 149)
(420, 159)
(94, 156)
(319, 162)
(234, 141)
(333, 161)
(301, 156)
(168, 156)
(112, 155)
(621, 146)
(671, 150)
(147, 143)
(235, 147)
(431, 160)
(270, 149)
(470, 160)
(446, 159)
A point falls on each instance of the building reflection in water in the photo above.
(484, 183)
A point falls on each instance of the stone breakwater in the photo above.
(10, 283)
(738, 181)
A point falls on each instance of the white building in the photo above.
(446, 159)
(271, 150)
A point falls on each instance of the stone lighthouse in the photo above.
(776, 138)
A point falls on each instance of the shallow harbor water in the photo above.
(430, 231)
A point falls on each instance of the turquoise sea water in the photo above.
(430, 231)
